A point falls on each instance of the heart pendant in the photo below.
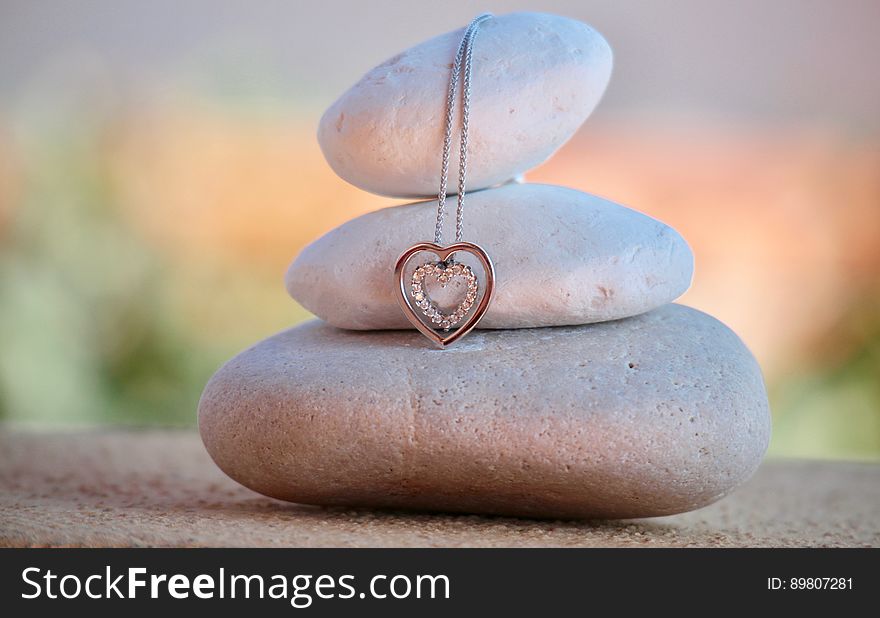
(412, 294)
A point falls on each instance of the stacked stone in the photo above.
(583, 393)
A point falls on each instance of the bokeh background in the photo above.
(159, 170)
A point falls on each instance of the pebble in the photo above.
(653, 415)
(561, 257)
(536, 79)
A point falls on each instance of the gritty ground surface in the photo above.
(161, 489)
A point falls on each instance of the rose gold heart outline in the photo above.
(443, 253)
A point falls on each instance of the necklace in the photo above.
(444, 327)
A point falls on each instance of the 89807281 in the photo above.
(810, 583)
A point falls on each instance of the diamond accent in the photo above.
(444, 273)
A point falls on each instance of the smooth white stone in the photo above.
(657, 414)
(561, 257)
(536, 79)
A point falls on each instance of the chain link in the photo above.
(462, 57)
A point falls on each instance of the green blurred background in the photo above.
(158, 171)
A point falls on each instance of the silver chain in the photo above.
(463, 56)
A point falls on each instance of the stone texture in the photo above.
(109, 488)
(653, 415)
(536, 78)
(561, 257)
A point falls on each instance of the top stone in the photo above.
(536, 79)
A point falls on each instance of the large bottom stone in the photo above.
(656, 414)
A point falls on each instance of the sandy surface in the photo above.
(160, 488)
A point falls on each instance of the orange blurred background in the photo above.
(159, 170)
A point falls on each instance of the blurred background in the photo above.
(159, 170)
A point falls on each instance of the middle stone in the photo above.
(561, 257)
